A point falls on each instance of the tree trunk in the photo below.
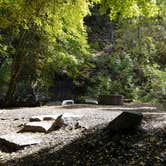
(15, 71)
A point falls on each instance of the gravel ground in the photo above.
(91, 116)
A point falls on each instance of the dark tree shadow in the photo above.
(102, 148)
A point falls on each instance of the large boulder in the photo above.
(127, 120)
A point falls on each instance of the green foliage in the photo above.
(99, 84)
(43, 33)
(114, 75)
(39, 38)
(139, 44)
(156, 83)
(129, 8)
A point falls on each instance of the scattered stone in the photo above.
(67, 121)
(47, 125)
(110, 99)
(15, 141)
(52, 117)
(91, 101)
(43, 117)
(128, 120)
(66, 102)
(70, 123)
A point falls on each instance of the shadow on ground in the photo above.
(102, 148)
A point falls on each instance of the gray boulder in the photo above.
(127, 120)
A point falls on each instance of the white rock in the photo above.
(91, 101)
(65, 102)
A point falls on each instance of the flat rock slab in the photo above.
(15, 141)
(45, 126)
(128, 120)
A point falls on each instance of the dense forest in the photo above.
(82, 82)
(77, 49)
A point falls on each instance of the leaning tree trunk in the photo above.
(19, 58)
(15, 72)
(17, 63)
